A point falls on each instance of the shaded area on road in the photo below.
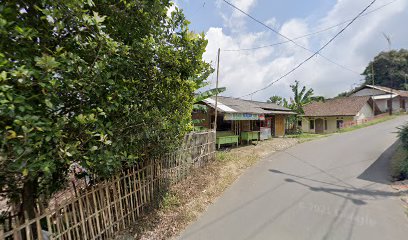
(375, 172)
(335, 188)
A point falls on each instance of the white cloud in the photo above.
(172, 8)
(236, 20)
(247, 71)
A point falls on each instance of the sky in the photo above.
(245, 71)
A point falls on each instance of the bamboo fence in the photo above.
(103, 209)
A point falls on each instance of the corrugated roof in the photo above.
(345, 106)
(245, 106)
(385, 89)
(220, 105)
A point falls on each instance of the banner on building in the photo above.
(243, 116)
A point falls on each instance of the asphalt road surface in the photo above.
(332, 188)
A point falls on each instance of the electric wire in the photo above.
(308, 58)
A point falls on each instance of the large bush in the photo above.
(104, 83)
(403, 135)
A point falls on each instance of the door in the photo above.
(279, 125)
(319, 125)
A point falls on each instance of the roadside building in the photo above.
(245, 119)
(333, 114)
(384, 98)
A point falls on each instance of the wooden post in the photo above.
(216, 92)
(1, 231)
(27, 226)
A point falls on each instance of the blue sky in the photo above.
(246, 71)
(206, 14)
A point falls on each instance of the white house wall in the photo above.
(382, 104)
(365, 112)
(396, 104)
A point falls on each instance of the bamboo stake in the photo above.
(75, 220)
(81, 212)
(139, 199)
(27, 226)
(135, 193)
(1, 231)
(14, 225)
(109, 208)
(96, 211)
(38, 225)
(49, 226)
(67, 223)
(121, 205)
(115, 204)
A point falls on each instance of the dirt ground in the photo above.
(402, 188)
(186, 200)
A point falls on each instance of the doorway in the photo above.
(319, 125)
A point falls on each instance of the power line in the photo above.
(291, 40)
(309, 34)
(315, 53)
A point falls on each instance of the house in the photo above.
(244, 118)
(383, 97)
(333, 114)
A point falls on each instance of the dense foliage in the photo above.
(104, 83)
(277, 100)
(403, 135)
(390, 69)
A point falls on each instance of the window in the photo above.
(339, 124)
(325, 124)
(312, 123)
(299, 123)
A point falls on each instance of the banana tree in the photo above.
(300, 99)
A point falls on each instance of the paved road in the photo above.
(332, 188)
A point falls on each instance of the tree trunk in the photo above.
(28, 204)
(28, 198)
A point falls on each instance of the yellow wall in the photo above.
(331, 123)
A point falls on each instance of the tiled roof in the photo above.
(247, 106)
(345, 106)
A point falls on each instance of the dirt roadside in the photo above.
(186, 200)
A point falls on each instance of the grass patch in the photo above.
(399, 164)
(373, 122)
(170, 200)
(303, 137)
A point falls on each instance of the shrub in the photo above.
(403, 135)
(104, 83)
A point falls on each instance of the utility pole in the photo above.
(372, 73)
(387, 37)
(216, 90)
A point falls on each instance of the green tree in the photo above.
(390, 69)
(343, 94)
(104, 83)
(317, 99)
(276, 99)
(300, 98)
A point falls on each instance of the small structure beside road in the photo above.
(243, 120)
(333, 114)
(385, 98)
